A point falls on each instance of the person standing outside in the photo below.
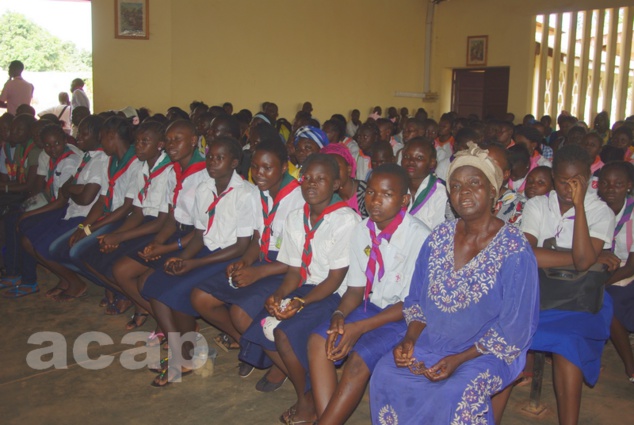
(79, 96)
(16, 91)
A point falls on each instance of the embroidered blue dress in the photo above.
(492, 302)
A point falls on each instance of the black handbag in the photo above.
(564, 288)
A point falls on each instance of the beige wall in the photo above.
(339, 54)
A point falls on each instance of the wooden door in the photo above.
(482, 91)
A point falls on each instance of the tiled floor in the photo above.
(115, 395)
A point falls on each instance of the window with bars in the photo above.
(583, 63)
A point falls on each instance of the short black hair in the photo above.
(611, 153)
(572, 154)
(17, 65)
(121, 126)
(232, 124)
(54, 130)
(235, 148)
(93, 124)
(180, 114)
(266, 132)
(625, 166)
(394, 170)
(338, 125)
(328, 161)
(624, 129)
(275, 147)
(518, 154)
(151, 127)
(531, 133)
(182, 123)
(425, 143)
(577, 129)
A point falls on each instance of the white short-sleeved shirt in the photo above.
(64, 170)
(94, 172)
(399, 259)
(292, 201)
(352, 146)
(542, 219)
(620, 247)
(156, 200)
(330, 244)
(351, 129)
(364, 166)
(433, 212)
(442, 169)
(443, 151)
(123, 184)
(396, 146)
(234, 216)
(184, 208)
(3, 158)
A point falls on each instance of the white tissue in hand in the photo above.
(270, 323)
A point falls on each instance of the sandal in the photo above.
(53, 292)
(224, 341)
(10, 282)
(113, 307)
(160, 367)
(163, 379)
(288, 414)
(137, 320)
(21, 290)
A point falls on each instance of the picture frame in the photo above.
(477, 50)
(132, 19)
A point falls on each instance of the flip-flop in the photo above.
(21, 290)
(165, 374)
(53, 292)
(224, 341)
(133, 324)
(10, 282)
(288, 413)
(113, 310)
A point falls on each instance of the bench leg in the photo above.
(535, 406)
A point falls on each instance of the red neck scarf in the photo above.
(84, 161)
(116, 168)
(196, 164)
(52, 167)
(158, 169)
(287, 185)
(375, 252)
(307, 253)
(211, 211)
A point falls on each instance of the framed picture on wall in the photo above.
(132, 19)
(477, 49)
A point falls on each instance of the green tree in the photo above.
(37, 48)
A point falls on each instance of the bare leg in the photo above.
(322, 373)
(130, 277)
(499, 401)
(214, 311)
(240, 319)
(349, 391)
(568, 381)
(305, 407)
(620, 339)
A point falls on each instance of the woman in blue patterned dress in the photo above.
(471, 311)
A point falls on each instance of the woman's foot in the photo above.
(119, 306)
(137, 320)
(69, 295)
(108, 298)
(10, 281)
(169, 375)
(225, 342)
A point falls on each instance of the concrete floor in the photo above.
(116, 395)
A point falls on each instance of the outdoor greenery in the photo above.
(37, 48)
